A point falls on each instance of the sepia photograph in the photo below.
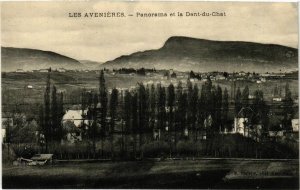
(149, 95)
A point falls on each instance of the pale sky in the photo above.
(46, 26)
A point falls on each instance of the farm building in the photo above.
(36, 160)
(41, 159)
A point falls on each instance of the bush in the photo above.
(187, 148)
(25, 150)
(156, 149)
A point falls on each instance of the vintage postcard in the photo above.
(172, 95)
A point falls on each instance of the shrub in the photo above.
(156, 149)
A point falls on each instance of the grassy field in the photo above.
(17, 83)
(217, 173)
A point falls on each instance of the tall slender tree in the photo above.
(54, 116)
(61, 113)
(245, 97)
(95, 129)
(47, 122)
(288, 111)
(194, 111)
(171, 101)
(152, 107)
(182, 112)
(134, 124)
(127, 117)
(218, 119)
(161, 108)
(202, 109)
(113, 109)
(142, 107)
(225, 109)
(238, 101)
(103, 107)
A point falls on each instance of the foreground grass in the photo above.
(150, 174)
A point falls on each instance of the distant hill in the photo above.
(91, 65)
(184, 54)
(32, 59)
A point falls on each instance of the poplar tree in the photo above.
(288, 111)
(142, 107)
(152, 106)
(245, 97)
(127, 116)
(47, 122)
(54, 116)
(171, 101)
(194, 110)
(225, 108)
(103, 105)
(134, 113)
(161, 107)
(113, 109)
(238, 101)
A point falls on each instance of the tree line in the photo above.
(156, 113)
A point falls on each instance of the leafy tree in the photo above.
(260, 112)
(26, 134)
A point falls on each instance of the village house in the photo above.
(20, 71)
(61, 70)
(72, 122)
(277, 99)
(239, 125)
(6, 122)
(220, 77)
(250, 97)
(43, 70)
(275, 134)
(295, 125)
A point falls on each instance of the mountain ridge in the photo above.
(185, 53)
